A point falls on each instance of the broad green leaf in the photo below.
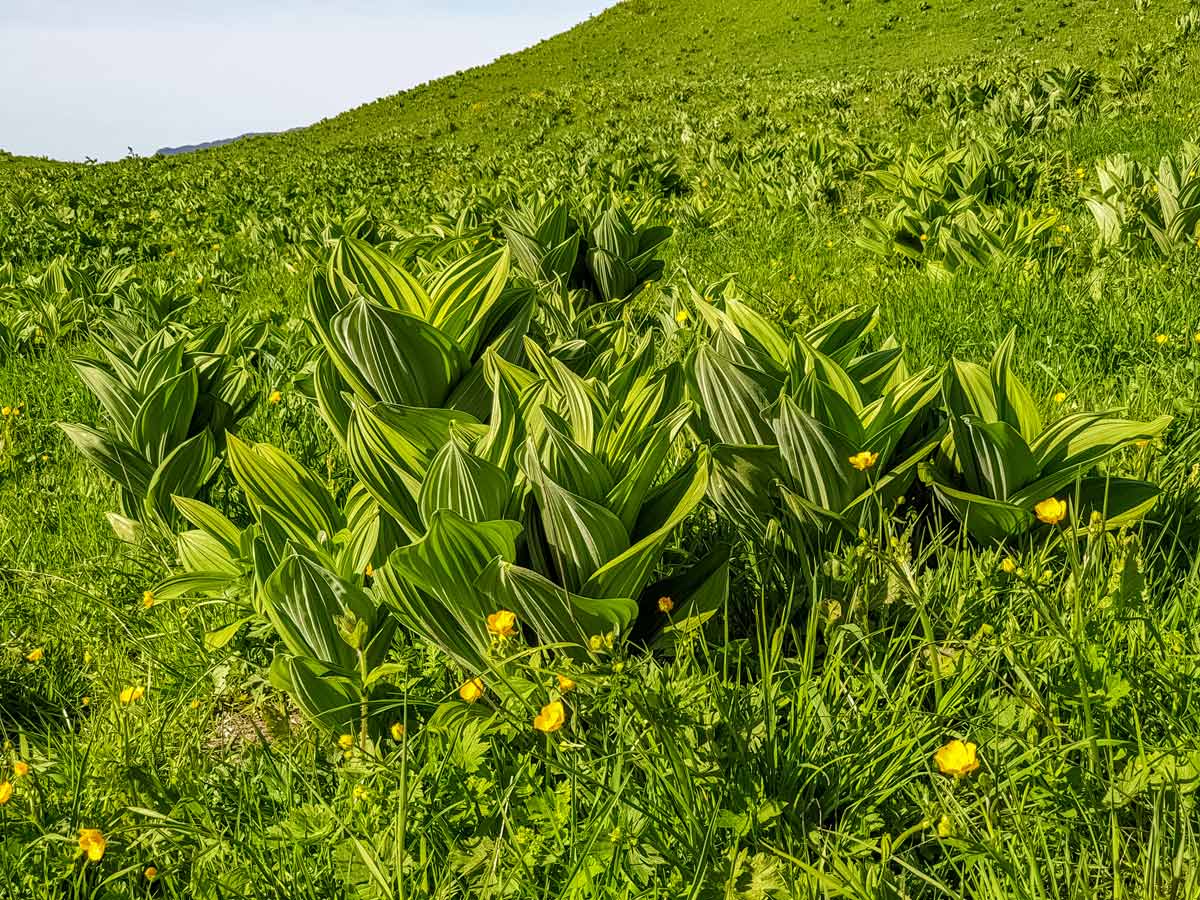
(817, 458)
(460, 481)
(1083, 439)
(163, 419)
(984, 519)
(766, 334)
(199, 551)
(183, 472)
(329, 701)
(741, 485)
(116, 398)
(307, 604)
(377, 275)
(698, 592)
(390, 449)
(733, 398)
(555, 614)
(1014, 403)
(272, 480)
(211, 520)
(581, 535)
(432, 583)
(114, 458)
(569, 464)
(1000, 456)
(399, 358)
(626, 574)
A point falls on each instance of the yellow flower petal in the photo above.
(551, 718)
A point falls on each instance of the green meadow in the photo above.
(743, 451)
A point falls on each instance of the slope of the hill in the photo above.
(656, 42)
(943, 689)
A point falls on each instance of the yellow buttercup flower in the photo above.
(369, 571)
(502, 623)
(85, 701)
(1051, 510)
(275, 397)
(551, 718)
(957, 758)
(1060, 397)
(682, 316)
(1008, 566)
(92, 843)
(5, 411)
(565, 684)
(151, 873)
(1196, 337)
(148, 599)
(346, 741)
(944, 828)
(1160, 339)
(20, 769)
(397, 730)
(35, 655)
(6, 792)
(132, 694)
(864, 460)
(665, 605)
(471, 690)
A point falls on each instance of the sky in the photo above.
(93, 78)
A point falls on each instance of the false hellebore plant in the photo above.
(170, 398)
(559, 507)
(806, 431)
(999, 462)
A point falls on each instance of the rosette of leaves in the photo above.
(786, 416)
(587, 266)
(560, 509)
(999, 460)
(62, 300)
(300, 567)
(390, 336)
(959, 207)
(169, 401)
(1139, 209)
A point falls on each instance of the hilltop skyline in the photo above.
(102, 78)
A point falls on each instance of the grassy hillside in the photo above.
(552, 336)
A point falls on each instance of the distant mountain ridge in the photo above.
(208, 145)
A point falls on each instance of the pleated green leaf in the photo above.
(162, 421)
(1084, 439)
(733, 398)
(817, 458)
(984, 519)
(581, 536)
(274, 482)
(463, 483)
(555, 615)
(398, 357)
(114, 458)
(627, 574)
(185, 470)
(378, 276)
(1000, 456)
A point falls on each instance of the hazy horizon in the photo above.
(95, 79)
